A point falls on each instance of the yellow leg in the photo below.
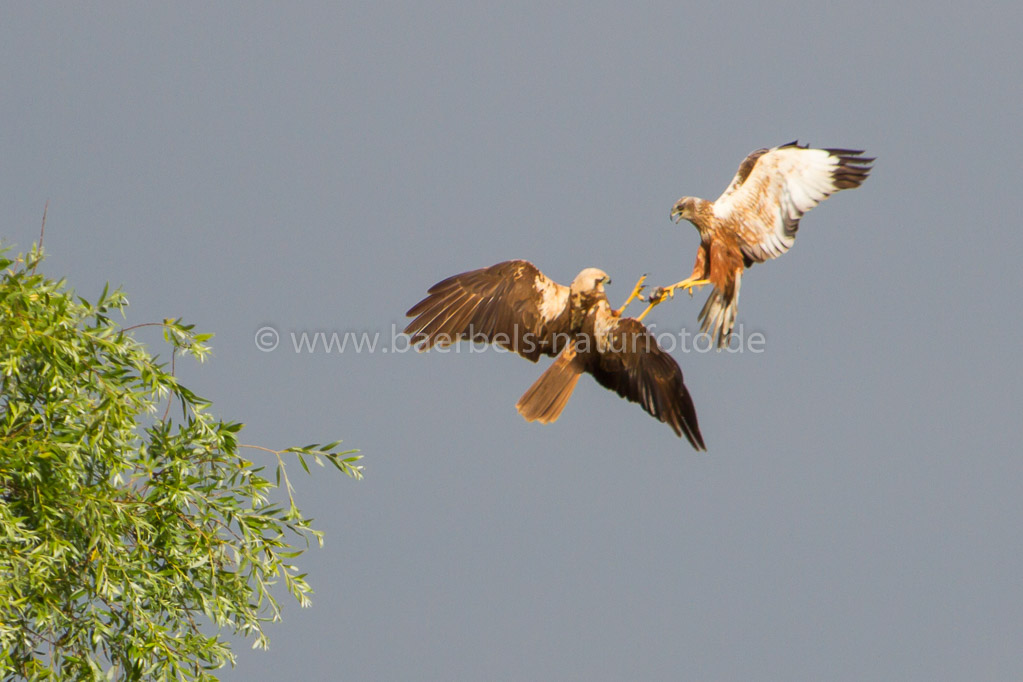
(658, 295)
(688, 284)
(633, 296)
(650, 307)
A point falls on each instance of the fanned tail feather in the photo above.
(718, 315)
(547, 397)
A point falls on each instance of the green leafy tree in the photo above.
(133, 535)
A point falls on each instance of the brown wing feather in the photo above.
(853, 167)
(635, 367)
(746, 167)
(766, 200)
(512, 304)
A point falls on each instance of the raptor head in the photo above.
(590, 280)
(684, 208)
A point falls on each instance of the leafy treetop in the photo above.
(133, 536)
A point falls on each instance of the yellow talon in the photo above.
(688, 284)
(633, 296)
(655, 298)
(658, 295)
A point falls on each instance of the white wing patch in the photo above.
(553, 297)
(784, 184)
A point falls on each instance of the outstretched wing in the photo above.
(775, 187)
(627, 359)
(511, 304)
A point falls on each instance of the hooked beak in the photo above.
(676, 214)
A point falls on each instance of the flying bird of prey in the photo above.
(756, 219)
(516, 306)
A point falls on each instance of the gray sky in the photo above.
(858, 513)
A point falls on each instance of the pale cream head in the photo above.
(590, 280)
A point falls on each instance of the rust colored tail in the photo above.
(546, 398)
(718, 315)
